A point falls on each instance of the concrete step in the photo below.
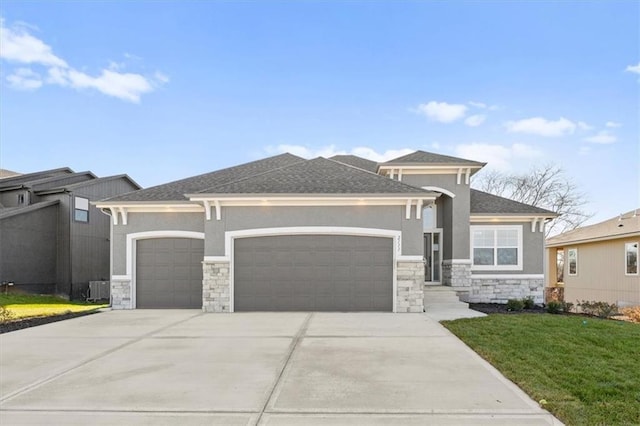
(437, 298)
(446, 305)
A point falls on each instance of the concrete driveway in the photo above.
(188, 368)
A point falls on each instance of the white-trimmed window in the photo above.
(81, 209)
(572, 261)
(497, 247)
(429, 217)
(631, 258)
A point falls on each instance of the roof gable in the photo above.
(485, 203)
(28, 177)
(174, 191)
(423, 157)
(317, 176)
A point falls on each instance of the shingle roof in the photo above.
(485, 203)
(20, 179)
(4, 173)
(617, 227)
(355, 161)
(421, 157)
(75, 185)
(317, 176)
(174, 191)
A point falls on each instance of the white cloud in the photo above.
(633, 68)
(442, 111)
(542, 127)
(331, 150)
(602, 137)
(24, 79)
(475, 120)
(481, 105)
(584, 126)
(497, 156)
(613, 124)
(21, 47)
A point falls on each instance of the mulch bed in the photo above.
(33, 322)
(496, 308)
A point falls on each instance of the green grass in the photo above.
(586, 369)
(29, 306)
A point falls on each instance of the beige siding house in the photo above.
(598, 262)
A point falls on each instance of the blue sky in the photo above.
(166, 90)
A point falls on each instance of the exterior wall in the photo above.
(141, 222)
(28, 249)
(601, 274)
(410, 283)
(10, 198)
(380, 217)
(216, 293)
(456, 273)
(455, 211)
(500, 290)
(532, 249)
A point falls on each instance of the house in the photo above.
(338, 234)
(51, 239)
(598, 262)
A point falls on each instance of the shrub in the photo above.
(567, 306)
(632, 313)
(5, 314)
(529, 302)
(598, 309)
(555, 307)
(515, 305)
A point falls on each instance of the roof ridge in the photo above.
(204, 191)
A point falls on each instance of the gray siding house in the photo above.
(52, 240)
(338, 234)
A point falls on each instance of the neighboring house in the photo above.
(4, 173)
(51, 239)
(340, 234)
(598, 262)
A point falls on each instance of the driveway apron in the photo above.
(189, 368)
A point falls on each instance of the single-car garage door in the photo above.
(169, 273)
(313, 273)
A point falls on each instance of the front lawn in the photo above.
(586, 371)
(28, 306)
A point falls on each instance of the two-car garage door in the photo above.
(273, 273)
(313, 273)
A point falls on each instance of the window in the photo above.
(560, 265)
(81, 209)
(572, 260)
(20, 198)
(497, 247)
(631, 258)
(429, 219)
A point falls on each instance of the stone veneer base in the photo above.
(121, 295)
(410, 283)
(216, 287)
(500, 290)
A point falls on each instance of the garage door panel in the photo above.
(313, 273)
(169, 273)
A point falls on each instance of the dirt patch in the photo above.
(33, 322)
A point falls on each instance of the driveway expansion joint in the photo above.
(292, 347)
(100, 355)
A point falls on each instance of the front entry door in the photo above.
(432, 244)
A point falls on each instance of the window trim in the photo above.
(568, 262)
(75, 208)
(518, 267)
(631, 243)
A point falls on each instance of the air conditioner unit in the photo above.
(98, 290)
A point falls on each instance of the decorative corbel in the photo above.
(207, 209)
(123, 213)
(407, 212)
(419, 210)
(114, 215)
(218, 209)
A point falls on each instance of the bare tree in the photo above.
(543, 186)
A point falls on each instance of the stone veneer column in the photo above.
(410, 283)
(215, 286)
(121, 294)
(457, 274)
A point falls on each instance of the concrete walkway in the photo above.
(188, 368)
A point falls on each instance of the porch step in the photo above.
(442, 297)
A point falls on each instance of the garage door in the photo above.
(313, 273)
(169, 273)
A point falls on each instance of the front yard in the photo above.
(21, 306)
(586, 371)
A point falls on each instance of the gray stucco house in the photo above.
(338, 234)
(52, 240)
